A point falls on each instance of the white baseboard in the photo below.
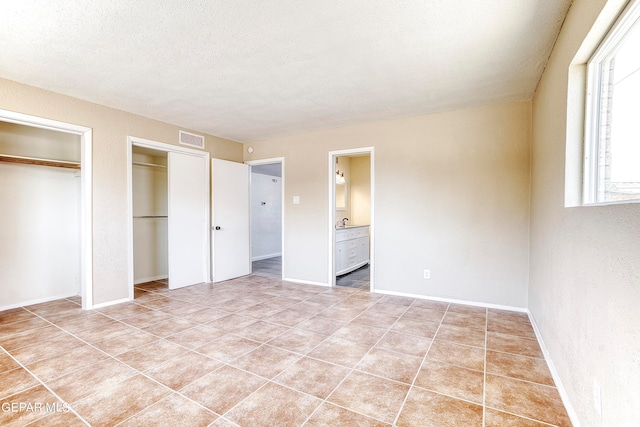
(261, 257)
(108, 303)
(149, 279)
(352, 268)
(454, 301)
(573, 415)
(305, 282)
(36, 301)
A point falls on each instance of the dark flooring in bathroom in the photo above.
(270, 267)
(359, 279)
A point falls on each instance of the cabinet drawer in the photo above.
(361, 232)
(352, 244)
(341, 235)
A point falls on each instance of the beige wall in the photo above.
(344, 166)
(110, 130)
(20, 140)
(451, 195)
(360, 190)
(584, 289)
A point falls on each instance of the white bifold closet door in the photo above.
(231, 220)
(187, 234)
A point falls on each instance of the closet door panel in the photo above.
(187, 231)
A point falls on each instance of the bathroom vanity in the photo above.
(352, 248)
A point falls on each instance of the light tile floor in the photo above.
(256, 351)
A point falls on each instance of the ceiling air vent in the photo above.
(191, 139)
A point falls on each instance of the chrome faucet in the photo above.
(344, 221)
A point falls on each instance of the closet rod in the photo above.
(151, 216)
(40, 162)
(149, 164)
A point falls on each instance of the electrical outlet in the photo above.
(427, 274)
(597, 398)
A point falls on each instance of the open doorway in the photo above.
(351, 228)
(150, 215)
(267, 217)
(169, 215)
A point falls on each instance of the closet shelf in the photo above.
(40, 162)
(149, 164)
(150, 216)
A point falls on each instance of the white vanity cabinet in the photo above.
(352, 248)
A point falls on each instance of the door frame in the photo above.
(282, 183)
(161, 146)
(86, 196)
(332, 212)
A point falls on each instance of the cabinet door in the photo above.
(341, 256)
(363, 249)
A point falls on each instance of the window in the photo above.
(612, 133)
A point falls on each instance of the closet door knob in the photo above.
(217, 227)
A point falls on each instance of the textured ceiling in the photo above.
(273, 169)
(249, 70)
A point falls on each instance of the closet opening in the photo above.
(150, 217)
(169, 227)
(45, 221)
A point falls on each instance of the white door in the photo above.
(187, 220)
(230, 226)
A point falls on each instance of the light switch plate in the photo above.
(296, 200)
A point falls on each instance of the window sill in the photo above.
(613, 202)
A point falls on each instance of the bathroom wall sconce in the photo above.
(339, 176)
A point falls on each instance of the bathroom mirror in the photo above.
(341, 197)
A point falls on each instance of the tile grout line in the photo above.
(352, 369)
(310, 357)
(159, 383)
(508, 377)
(424, 358)
(157, 402)
(484, 379)
(271, 346)
(43, 384)
(523, 417)
(116, 360)
(263, 291)
(270, 380)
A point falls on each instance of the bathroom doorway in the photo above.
(351, 228)
(267, 217)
